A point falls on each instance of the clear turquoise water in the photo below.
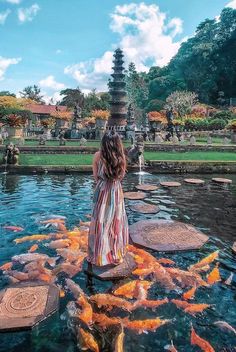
(212, 208)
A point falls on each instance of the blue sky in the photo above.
(69, 43)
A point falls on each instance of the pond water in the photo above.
(24, 200)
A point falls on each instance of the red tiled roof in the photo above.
(46, 109)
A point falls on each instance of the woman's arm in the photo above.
(95, 165)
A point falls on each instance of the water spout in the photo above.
(5, 168)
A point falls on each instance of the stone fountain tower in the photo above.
(118, 94)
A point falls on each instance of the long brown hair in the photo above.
(112, 155)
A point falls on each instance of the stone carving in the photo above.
(83, 141)
(209, 140)
(62, 140)
(42, 140)
(166, 235)
(158, 138)
(135, 152)
(226, 141)
(192, 140)
(11, 156)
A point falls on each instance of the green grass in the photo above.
(86, 159)
(195, 155)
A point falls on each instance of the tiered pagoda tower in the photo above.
(118, 94)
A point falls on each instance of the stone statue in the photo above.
(42, 140)
(77, 111)
(170, 125)
(158, 138)
(61, 137)
(83, 141)
(1, 139)
(209, 140)
(11, 156)
(192, 140)
(135, 152)
(226, 141)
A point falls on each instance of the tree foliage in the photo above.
(182, 102)
(33, 93)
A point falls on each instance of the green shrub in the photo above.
(224, 115)
(217, 124)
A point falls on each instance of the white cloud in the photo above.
(232, 4)
(58, 51)
(52, 99)
(16, 2)
(51, 83)
(4, 15)
(28, 14)
(5, 63)
(146, 36)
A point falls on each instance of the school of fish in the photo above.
(98, 313)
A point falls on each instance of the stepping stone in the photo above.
(24, 305)
(135, 195)
(234, 248)
(166, 235)
(221, 180)
(170, 184)
(194, 181)
(145, 208)
(111, 272)
(146, 187)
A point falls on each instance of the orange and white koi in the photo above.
(170, 348)
(13, 228)
(6, 266)
(163, 277)
(85, 223)
(33, 248)
(151, 303)
(165, 261)
(141, 253)
(119, 343)
(53, 221)
(225, 326)
(128, 290)
(31, 257)
(142, 272)
(110, 301)
(74, 288)
(31, 238)
(141, 326)
(193, 309)
(186, 278)
(205, 261)
(87, 341)
(63, 243)
(200, 342)
(214, 276)
(229, 280)
(181, 304)
(68, 268)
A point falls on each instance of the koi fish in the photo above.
(200, 342)
(70, 269)
(63, 243)
(225, 326)
(104, 321)
(205, 261)
(141, 326)
(85, 223)
(62, 293)
(163, 277)
(190, 293)
(31, 238)
(142, 272)
(74, 288)
(193, 309)
(20, 276)
(33, 248)
(128, 290)
(229, 280)
(170, 348)
(119, 344)
(141, 253)
(53, 221)
(200, 270)
(164, 261)
(140, 293)
(88, 216)
(31, 257)
(103, 300)
(6, 266)
(151, 304)
(180, 304)
(86, 314)
(13, 228)
(70, 255)
(86, 340)
(214, 276)
(186, 278)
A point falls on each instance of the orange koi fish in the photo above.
(165, 261)
(70, 269)
(140, 293)
(85, 223)
(203, 269)
(87, 341)
(129, 290)
(200, 342)
(141, 253)
(74, 288)
(13, 228)
(170, 348)
(63, 243)
(151, 304)
(6, 266)
(62, 293)
(104, 321)
(119, 344)
(142, 272)
(37, 238)
(193, 309)
(18, 275)
(141, 326)
(190, 293)
(33, 248)
(214, 276)
(86, 314)
(180, 304)
(186, 278)
(107, 300)
(205, 261)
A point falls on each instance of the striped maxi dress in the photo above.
(108, 233)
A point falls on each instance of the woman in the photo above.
(108, 234)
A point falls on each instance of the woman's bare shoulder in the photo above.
(97, 156)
